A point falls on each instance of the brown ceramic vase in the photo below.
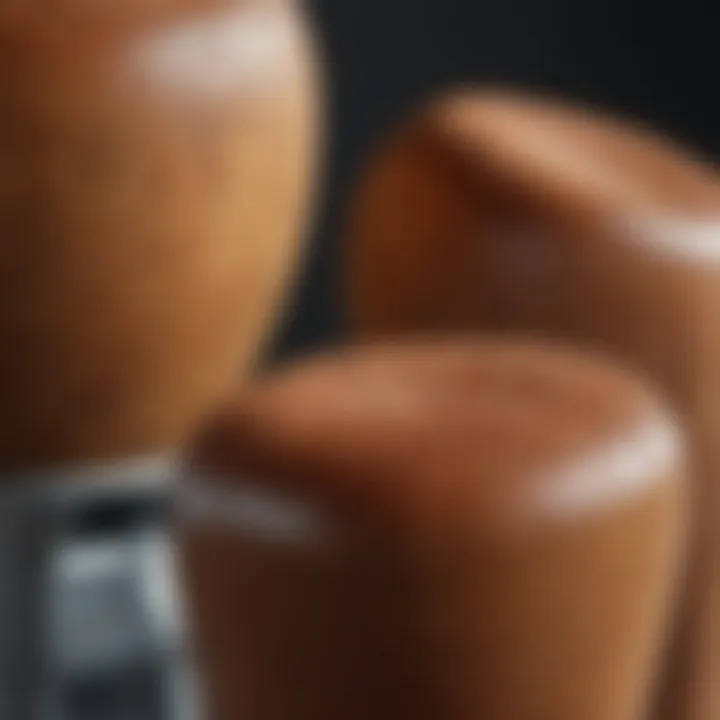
(498, 211)
(155, 165)
(447, 532)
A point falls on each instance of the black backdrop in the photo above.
(656, 62)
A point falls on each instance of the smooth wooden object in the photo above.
(155, 166)
(448, 532)
(495, 210)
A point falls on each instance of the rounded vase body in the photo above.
(155, 166)
(518, 214)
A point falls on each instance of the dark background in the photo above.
(657, 62)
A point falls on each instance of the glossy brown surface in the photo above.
(511, 213)
(448, 532)
(155, 162)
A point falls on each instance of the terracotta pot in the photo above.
(492, 210)
(452, 532)
(155, 166)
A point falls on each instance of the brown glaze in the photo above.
(434, 532)
(498, 211)
(155, 160)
